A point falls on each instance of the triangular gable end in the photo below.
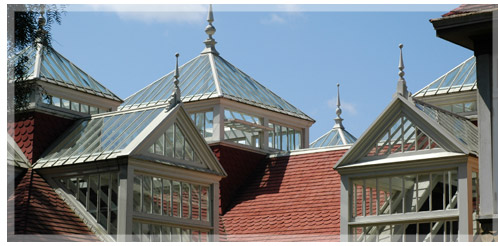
(402, 136)
(401, 127)
(176, 141)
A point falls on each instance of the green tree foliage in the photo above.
(28, 25)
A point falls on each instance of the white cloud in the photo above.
(345, 106)
(157, 13)
(274, 18)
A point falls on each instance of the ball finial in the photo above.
(401, 46)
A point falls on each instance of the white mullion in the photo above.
(416, 193)
(377, 194)
(450, 195)
(444, 231)
(180, 209)
(109, 202)
(403, 194)
(355, 198)
(371, 201)
(363, 199)
(190, 201)
(390, 197)
(430, 192)
(416, 233)
(444, 190)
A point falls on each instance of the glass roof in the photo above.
(334, 137)
(461, 78)
(56, 69)
(98, 138)
(460, 127)
(15, 156)
(209, 76)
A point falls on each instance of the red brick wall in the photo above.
(35, 131)
(239, 165)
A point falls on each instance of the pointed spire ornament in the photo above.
(176, 95)
(401, 87)
(338, 111)
(210, 31)
(41, 35)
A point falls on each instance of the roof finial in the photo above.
(176, 96)
(210, 30)
(401, 87)
(338, 111)
(40, 40)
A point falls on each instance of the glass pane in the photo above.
(196, 236)
(371, 197)
(82, 189)
(357, 234)
(104, 200)
(179, 143)
(189, 152)
(159, 146)
(73, 185)
(185, 235)
(185, 200)
(424, 230)
(195, 202)
(170, 139)
(410, 198)
(147, 194)
(457, 108)
(94, 110)
(199, 123)
(166, 234)
(298, 140)
(205, 208)
(56, 101)
(136, 232)
(157, 195)
(176, 198)
(278, 144)
(66, 104)
(75, 106)
(166, 197)
(437, 191)
(84, 108)
(114, 204)
(270, 136)
(384, 196)
(209, 124)
(176, 234)
(155, 233)
(358, 198)
(145, 233)
(137, 193)
(423, 191)
(204, 236)
(385, 233)
(92, 196)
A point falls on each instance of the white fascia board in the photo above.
(78, 96)
(413, 156)
(406, 217)
(310, 151)
(451, 98)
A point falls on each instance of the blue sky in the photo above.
(300, 52)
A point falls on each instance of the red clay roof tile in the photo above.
(294, 198)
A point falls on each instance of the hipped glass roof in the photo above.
(100, 137)
(334, 137)
(15, 156)
(460, 127)
(211, 76)
(56, 69)
(461, 78)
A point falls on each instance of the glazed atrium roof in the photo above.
(56, 69)
(461, 78)
(210, 76)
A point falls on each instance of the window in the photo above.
(98, 193)
(72, 105)
(154, 195)
(243, 128)
(284, 138)
(174, 144)
(403, 136)
(204, 123)
(145, 232)
(418, 194)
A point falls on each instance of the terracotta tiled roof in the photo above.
(239, 165)
(291, 198)
(468, 8)
(39, 214)
(33, 141)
